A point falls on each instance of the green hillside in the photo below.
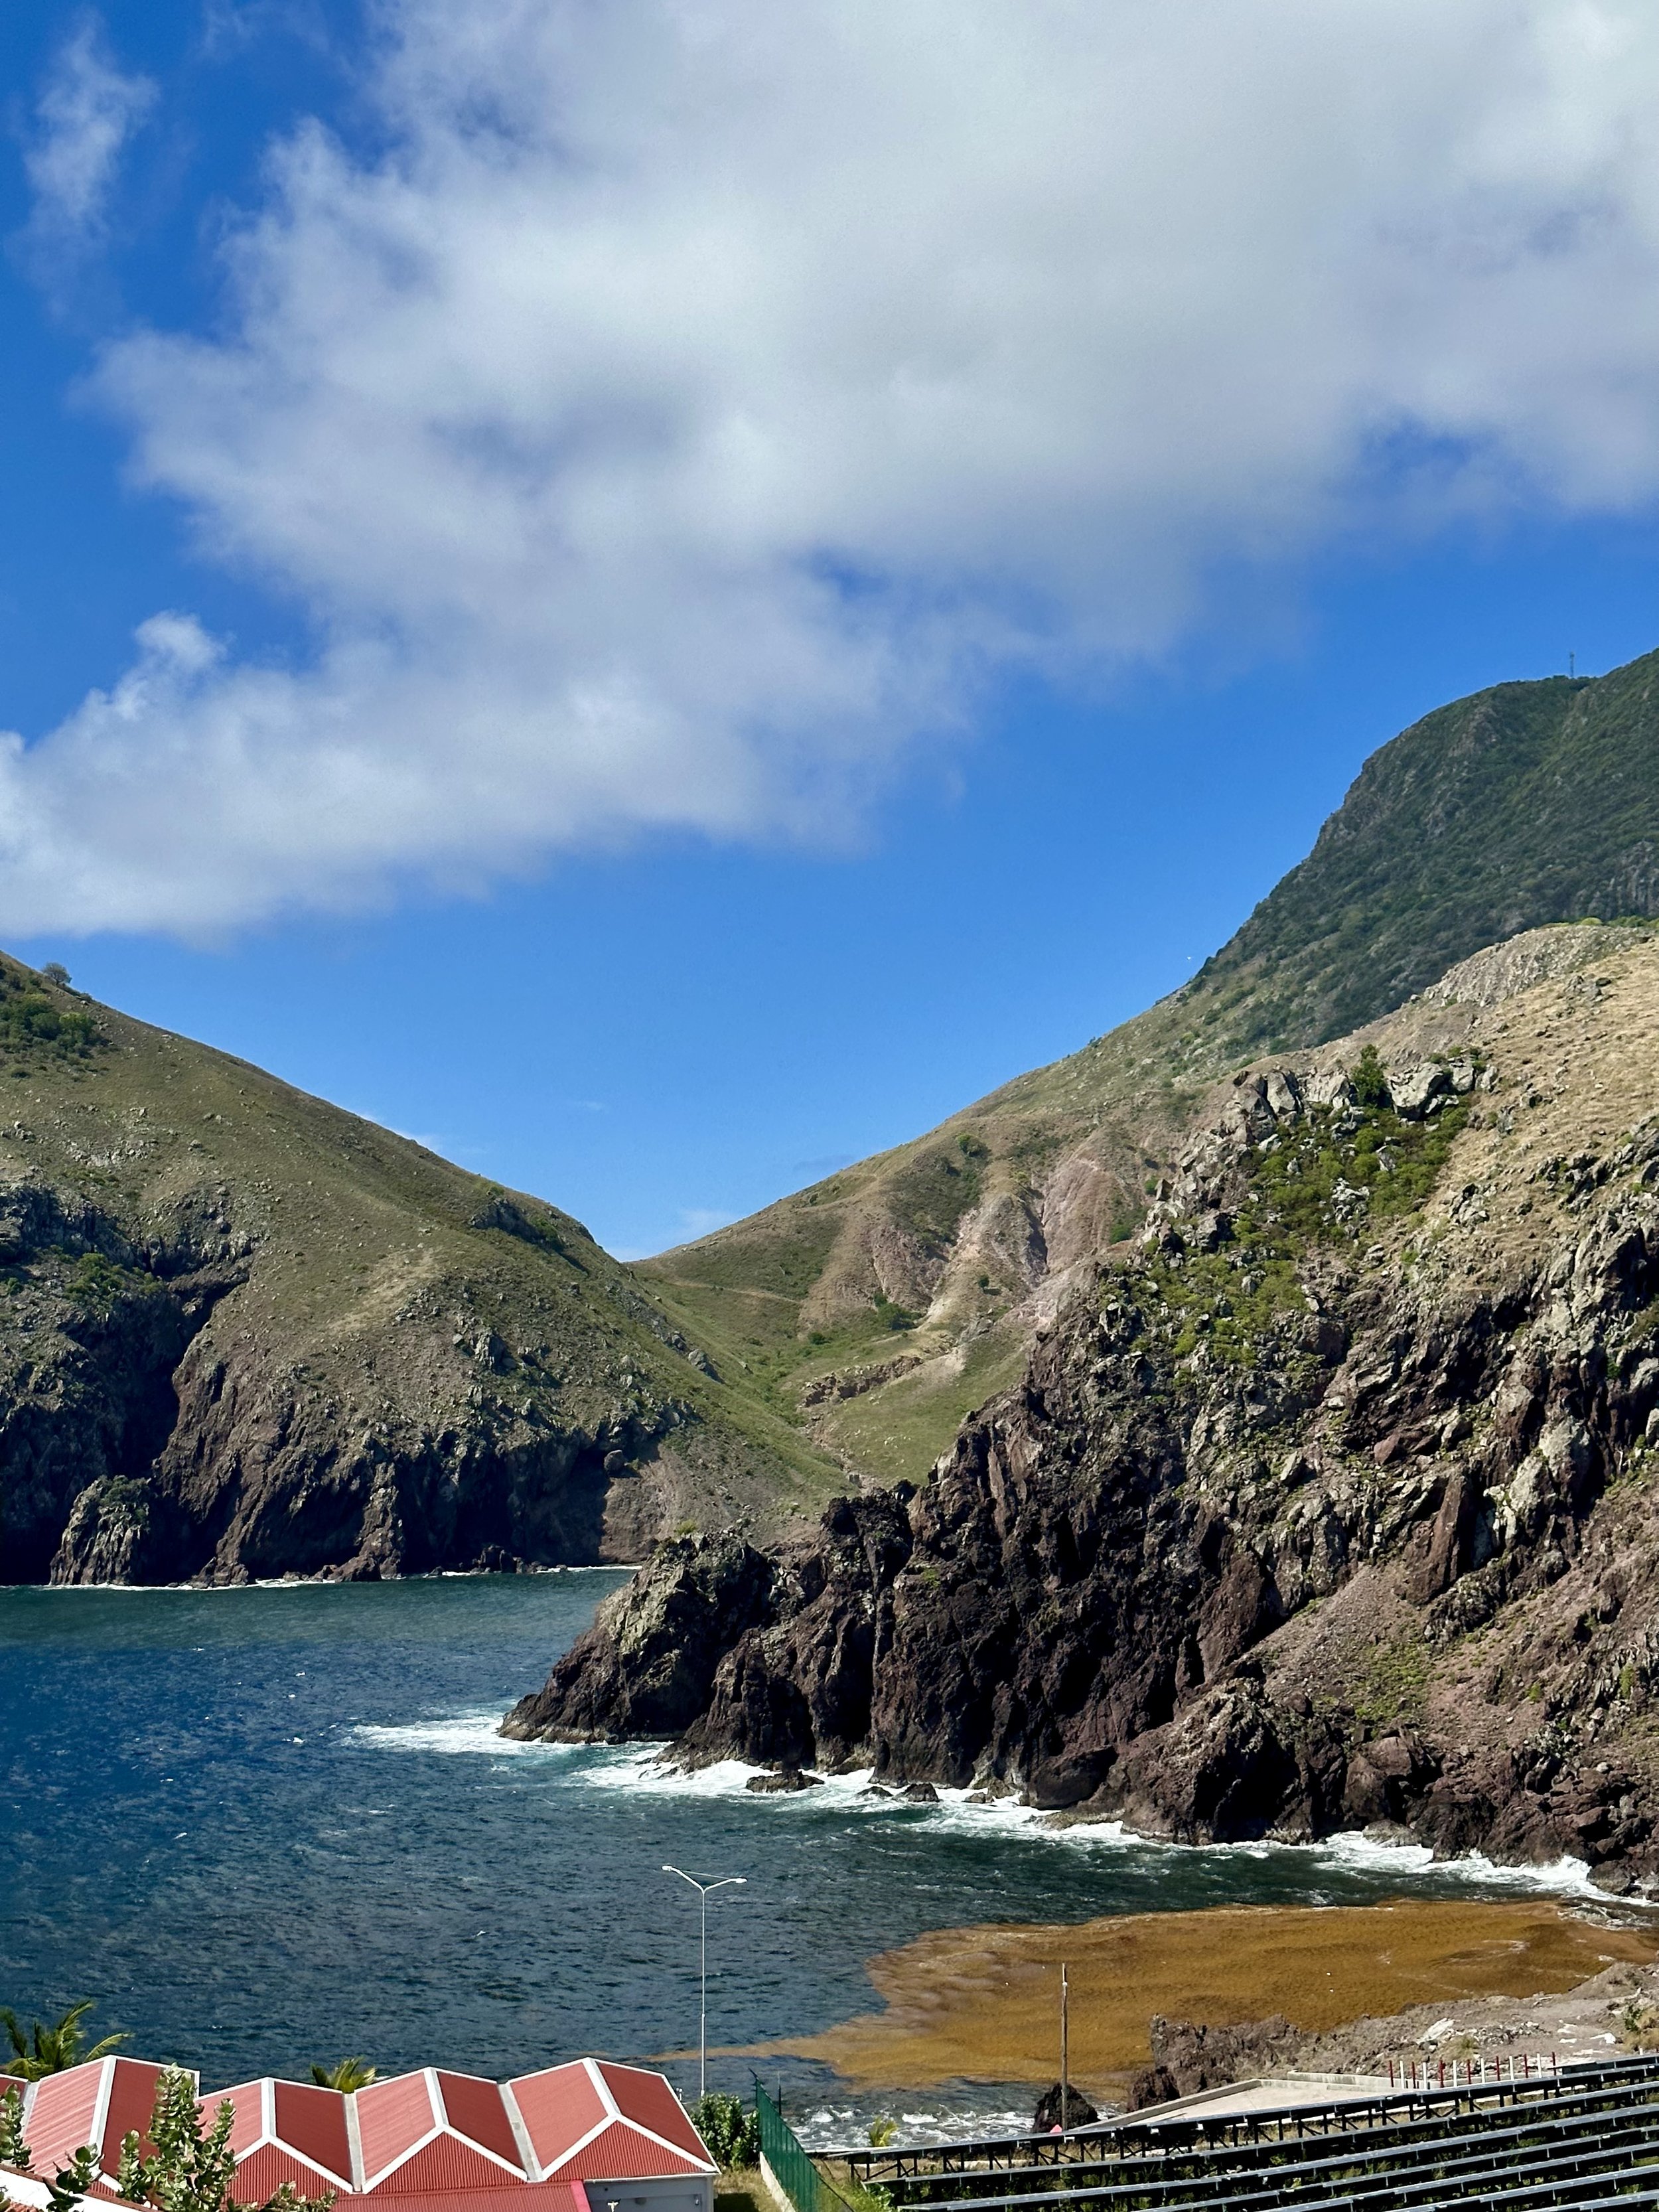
(1529, 803)
(243, 1332)
(1523, 804)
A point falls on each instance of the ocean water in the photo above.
(265, 1826)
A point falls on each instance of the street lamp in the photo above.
(702, 1889)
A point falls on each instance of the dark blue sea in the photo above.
(265, 1826)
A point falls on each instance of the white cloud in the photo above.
(84, 117)
(700, 398)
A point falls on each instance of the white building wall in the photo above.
(668, 2192)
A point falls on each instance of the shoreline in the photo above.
(980, 2004)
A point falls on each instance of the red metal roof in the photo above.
(248, 2130)
(622, 2153)
(293, 2130)
(62, 2112)
(524, 2197)
(446, 2163)
(392, 2117)
(433, 2139)
(474, 2109)
(97, 2103)
(312, 2122)
(647, 2099)
(560, 2105)
(567, 2109)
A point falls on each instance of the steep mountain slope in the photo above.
(882, 1304)
(1334, 1502)
(244, 1334)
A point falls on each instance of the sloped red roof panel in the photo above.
(262, 2172)
(559, 2105)
(247, 2099)
(62, 2112)
(646, 2098)
(446, 2163)
(311, 2121)
(475, 2109)
(392, 2118)
(132, 2106)
(621, 2152)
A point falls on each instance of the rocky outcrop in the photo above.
(1189, 2056)
(647, 1666)
(1330, 1508)
(1062, 2106)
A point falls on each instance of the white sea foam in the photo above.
(841, 2126)
(471, 1732)
(642, 1768)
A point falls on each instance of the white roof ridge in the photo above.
(100, 2107)
(521, 2135)
(607, 2095)
(354, 2144)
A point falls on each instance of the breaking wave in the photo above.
(642, 1768)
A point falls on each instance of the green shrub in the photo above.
(94, 1280)
(731, 2133)
(30, 1019)
(1370, 1080)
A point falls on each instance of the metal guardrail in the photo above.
(907, 2171)
(786, 2159)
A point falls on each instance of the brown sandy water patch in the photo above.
(982, 2004)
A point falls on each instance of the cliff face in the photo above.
(1332, 1504)
(245, 1335)
(1526, 803)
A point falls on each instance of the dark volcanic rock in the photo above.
(244, 1334)
(1078, 2111)
(1187, 2057)
(647, 1666)
(1342, 1518)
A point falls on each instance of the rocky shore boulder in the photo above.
(647, 1666)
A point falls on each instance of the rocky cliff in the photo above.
(1522, 804)
(245, 1335)
(1330, 1503)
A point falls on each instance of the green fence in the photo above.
(790, 2168)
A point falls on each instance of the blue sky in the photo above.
(538, 606)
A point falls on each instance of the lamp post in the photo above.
(1065, 2047)
(703, 1888)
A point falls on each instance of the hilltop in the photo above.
(244, 1334)
(881, 1305)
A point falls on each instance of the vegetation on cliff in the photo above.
(1331, 1503)
(1524, 805)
